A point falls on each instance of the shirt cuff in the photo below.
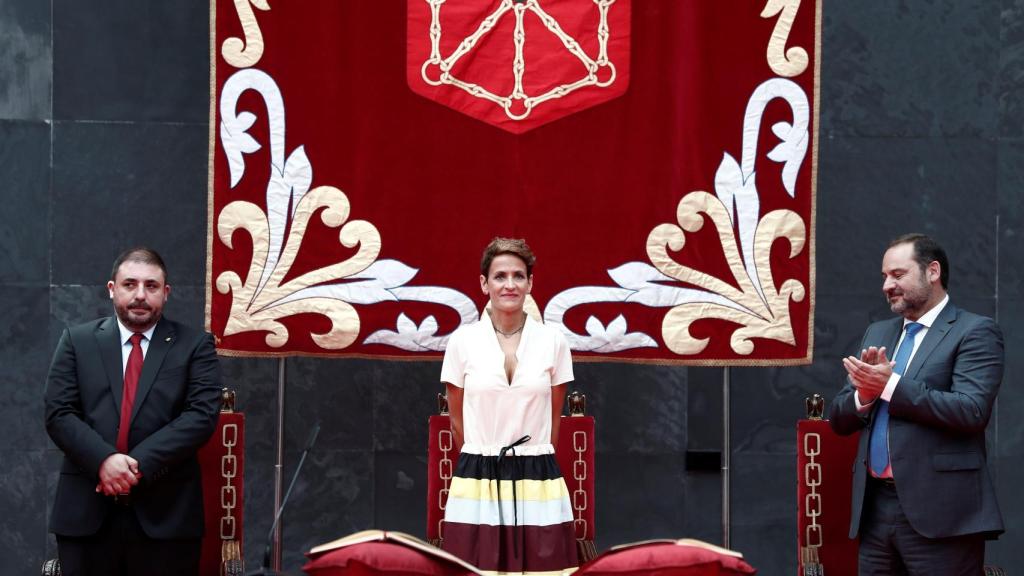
(890, 387)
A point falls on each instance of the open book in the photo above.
(396, 537)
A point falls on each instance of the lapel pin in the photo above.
(168, 339)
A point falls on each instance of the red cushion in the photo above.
(665, 559)
(372, 558)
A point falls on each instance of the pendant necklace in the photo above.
(512, 333)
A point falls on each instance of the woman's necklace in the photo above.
(512, 333)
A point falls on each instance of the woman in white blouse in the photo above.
(508, 507)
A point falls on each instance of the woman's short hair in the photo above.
(514, 246)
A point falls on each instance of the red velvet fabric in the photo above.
(222, 461)
(373, 558)
(325, 101)
(574, 453)
(548, 64)
(823, 510)
(665, 559)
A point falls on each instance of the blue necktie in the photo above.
(879, 448)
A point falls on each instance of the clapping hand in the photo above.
(870, 373)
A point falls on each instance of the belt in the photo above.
(882, 482)
(501, 457)
(124, 499)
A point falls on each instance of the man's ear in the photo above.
(110, 288)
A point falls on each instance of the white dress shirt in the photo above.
(126, 343)
(926, 321)
(497, 412)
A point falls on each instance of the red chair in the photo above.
(574, 453)
(824, 483)
(222, 461)
(824, 460)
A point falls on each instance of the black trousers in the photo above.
(890, 546)
(121, 548)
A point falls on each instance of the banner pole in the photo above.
(726, 453)
(279, 465)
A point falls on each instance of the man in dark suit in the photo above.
(129, 400)
(923, 500)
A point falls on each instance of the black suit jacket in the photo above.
(938, 414)
(175, 411)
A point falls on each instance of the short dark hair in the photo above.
(926, 251)
(139, 254)
(514, 246)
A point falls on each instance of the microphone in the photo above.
(265, 569)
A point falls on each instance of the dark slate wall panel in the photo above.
(917, 68)
(24, 360)
(1010, 185)
(24, 220)
(1011, 69)
(639, 409)
(1008, 432)
(70, 305)
(25, 59)
(1009, 426)
(704, 399)
(131, 61)
(335, 497)
(23, 529)
(702, 507)
(920, 126)
(400, 490)
(339, 394)
(117, 185)
(1006, 551)
(762, 529)
(640, 496)
(874, 189)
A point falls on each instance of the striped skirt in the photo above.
(510, 515)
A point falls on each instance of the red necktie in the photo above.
(131, 383)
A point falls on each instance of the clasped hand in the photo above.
(870, 373)
(118, 474)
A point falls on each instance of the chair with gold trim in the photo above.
(824, 484)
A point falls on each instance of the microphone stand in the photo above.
(265, 569)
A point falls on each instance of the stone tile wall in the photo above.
(103, 131)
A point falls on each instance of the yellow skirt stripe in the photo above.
(526, 490)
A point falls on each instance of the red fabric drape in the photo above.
(672, 211)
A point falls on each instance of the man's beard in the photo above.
(134, 322)
(912, 300)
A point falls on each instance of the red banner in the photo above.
(658, 156)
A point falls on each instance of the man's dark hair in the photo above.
(926, 251)
(139, 254)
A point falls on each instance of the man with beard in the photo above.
(129, 400)
(923, 501)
